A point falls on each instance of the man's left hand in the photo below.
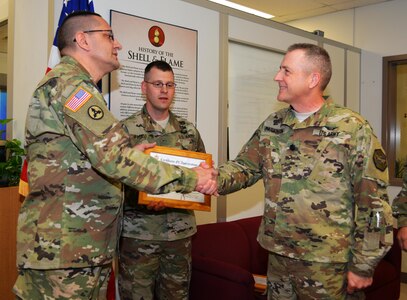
(356, 282)
(402, 237)
(145, 146)
(207, 179)
(156, 205)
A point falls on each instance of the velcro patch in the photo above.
(379, 159)
(325, 132)
(78, 99)
(95, 112)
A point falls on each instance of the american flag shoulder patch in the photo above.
(78, 99)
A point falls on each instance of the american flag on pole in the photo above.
(68, 7)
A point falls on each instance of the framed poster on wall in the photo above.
(143, 41)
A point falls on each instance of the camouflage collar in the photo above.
(72, 61)
(151, 125)
(318, 119)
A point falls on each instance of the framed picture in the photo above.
(143, 41)
(184, 158)
(260, 283)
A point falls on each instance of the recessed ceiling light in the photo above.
(243, 8)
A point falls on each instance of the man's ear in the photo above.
(81, 41)
(143, 87)
(315, 78)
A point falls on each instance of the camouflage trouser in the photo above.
(296, 279)
(154, 269)
(63, 284)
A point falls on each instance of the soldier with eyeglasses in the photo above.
(78, 157)
(155, 248)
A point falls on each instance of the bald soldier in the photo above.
(78, 157)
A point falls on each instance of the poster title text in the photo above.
(149, 55)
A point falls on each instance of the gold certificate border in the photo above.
(204, 203)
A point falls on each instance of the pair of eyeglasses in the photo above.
(109, 33)
(159, 84)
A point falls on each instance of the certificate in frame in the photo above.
(260, 283)
(184, 158)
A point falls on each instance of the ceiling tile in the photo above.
(280, 7)
(289, 10)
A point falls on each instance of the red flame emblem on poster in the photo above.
(156, 36)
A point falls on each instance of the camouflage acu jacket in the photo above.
(325, 187)
(400, 202)
(171, 223)
(77, 154)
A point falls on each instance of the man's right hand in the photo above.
(143, 147)
(207, 180)
(356, 282)
(402, 237)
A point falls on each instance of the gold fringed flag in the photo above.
(23, 185)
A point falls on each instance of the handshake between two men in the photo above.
(207, 176)
(207, 179)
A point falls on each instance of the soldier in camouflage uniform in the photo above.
(78, 155)
(400, 212)
(327, 221)
(155, 248)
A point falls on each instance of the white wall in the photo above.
(32, 46)
(190, 16)
(3, 17)
(329, 25)
(250, 202)
(28, 61)
(379, 30)
(3, 10)
(3, 63)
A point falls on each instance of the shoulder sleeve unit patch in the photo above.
(379, 159)
(78, 99)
